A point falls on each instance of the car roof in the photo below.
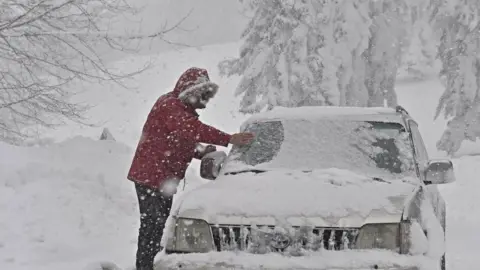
(379, 114)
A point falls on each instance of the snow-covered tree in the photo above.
(459, 24)
(418, 58)
(46, 46)
(300, 53)
(344, 53)
(391, 20)
(349, 39)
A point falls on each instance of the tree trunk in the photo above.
(380, 83)
(383, 58)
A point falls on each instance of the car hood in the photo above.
(323, 198)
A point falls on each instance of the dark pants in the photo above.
(154, 211)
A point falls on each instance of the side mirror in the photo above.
(439, 172)
(211, 164)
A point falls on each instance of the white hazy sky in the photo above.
(210, 22)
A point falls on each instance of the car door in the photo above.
(431, 191)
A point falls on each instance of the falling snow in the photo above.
(67, 204)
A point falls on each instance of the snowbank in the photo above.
(322, 260)
(67, 203)
(462, 214)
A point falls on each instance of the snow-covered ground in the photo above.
(66, 204)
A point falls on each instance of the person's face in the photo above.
(201, 101)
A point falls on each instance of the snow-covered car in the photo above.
(319, 188)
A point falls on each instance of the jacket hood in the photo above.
(194, 82)
(325, 198)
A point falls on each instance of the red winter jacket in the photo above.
(170, 134)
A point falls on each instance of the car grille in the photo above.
(247, 238)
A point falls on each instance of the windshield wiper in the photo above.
(245, 171)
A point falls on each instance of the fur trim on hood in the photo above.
(197, 90)
(193, 83)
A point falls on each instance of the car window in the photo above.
(420, 149)
(269, 137)
(379, 149)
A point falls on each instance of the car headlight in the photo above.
(390, 236)
(193, 235)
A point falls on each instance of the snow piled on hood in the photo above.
(282, 194)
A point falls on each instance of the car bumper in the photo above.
(327, 260)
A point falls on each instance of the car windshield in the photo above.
(377, 149)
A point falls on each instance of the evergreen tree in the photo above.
(343, 53)
(394, 25)
(458, 23)
(418, 58)
(299, 53)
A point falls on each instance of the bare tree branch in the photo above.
(47, 47)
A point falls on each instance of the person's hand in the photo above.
(203, 150)
(241, 139)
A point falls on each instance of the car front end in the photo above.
(318, 194)
(197, 244)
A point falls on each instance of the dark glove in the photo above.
(202, 151)
(209, 149)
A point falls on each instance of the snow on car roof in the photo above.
(316, 112)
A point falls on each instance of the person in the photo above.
(169, 141)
